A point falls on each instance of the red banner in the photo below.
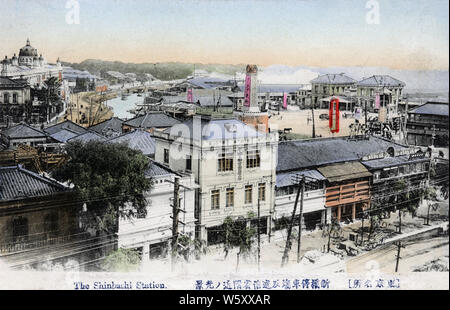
(189, 95)
(284, 101)
(334, 115)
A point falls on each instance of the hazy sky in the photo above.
(411, 34)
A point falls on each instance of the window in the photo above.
(253, 159)
(215, 199)
(248, 193)
(14, 98)
(262, 192)
(20, 229)
(230, 197)
(166, 156)
(225, 162)
(189, 162)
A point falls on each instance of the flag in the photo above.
(189, 95)
(284, 101)
(377, 101)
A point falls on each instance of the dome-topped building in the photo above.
(28, 55)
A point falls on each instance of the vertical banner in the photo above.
(284, 101)
(334, 115)
(189, 95)
(377, 101)
(357, 113)
(248, 84)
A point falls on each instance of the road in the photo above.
(414, 254)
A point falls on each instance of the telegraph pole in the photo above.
(175, 210)
(302, 186)
(288, 239)
(313, 123)
(259, 236)
(399, 246)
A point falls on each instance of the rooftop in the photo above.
(140, 140)
(63, 135)
(304, 154)
(112, 124)
(381, 80)
(65, 125)
(213, 129)
(23, 131)
(19, 183)
(152, 120)
(432, 108)
(333, 79)
(87, 136)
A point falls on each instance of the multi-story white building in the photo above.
(233, 164)
(30, 66)
(151, 234)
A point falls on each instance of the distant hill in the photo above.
(161, 71)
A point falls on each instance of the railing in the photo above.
(347, 193)
(14, 247)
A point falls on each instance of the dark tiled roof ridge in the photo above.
(36, 176)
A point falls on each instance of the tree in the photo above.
(188, 246)
(109, 179)
(333, 230)
(122, 260)
(238, 234)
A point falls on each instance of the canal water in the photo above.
(121, 107)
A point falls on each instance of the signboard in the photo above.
(334, 115)
(101, 88)
(382, 115)
(189, 95)
(248, 84)
(284, 101)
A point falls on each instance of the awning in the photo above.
(345, 171)
(341, 100)
(289, 178)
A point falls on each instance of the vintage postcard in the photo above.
(224, 145)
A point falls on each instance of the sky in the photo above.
(410, 34)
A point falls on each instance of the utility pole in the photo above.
(399, 246)
(259, 236)
(313, 123)
(302, 182)
(288, 239)
(175, 210)
(365, 112)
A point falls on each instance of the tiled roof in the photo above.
(157, 169)
(19, 183)
(381, 80)
(307, 154)
(12, 83)
(208, 82)
(289, 178)
(150, 120)
(333, 79)
(205, 101)
(87, 136)
(112, 124)
(65, 125)
(391, 162)
(23, 131)
(214, 129)
(63, 135)
(140, 140)
(432, 108)
(344, 171)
